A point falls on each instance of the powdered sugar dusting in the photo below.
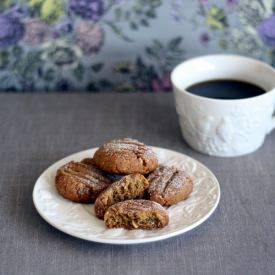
(168, 181)
(130, 145)
(84, 173)
(126, 144)
(178, 182)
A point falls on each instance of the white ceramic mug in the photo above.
(221, 127)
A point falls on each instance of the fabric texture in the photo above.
(124, 46)
(37, 130)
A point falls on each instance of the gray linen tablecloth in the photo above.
(37, 130)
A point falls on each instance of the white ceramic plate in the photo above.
(80, 221)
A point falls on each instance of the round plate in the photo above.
(80, 221)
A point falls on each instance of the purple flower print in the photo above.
(176, 6)
(36, 32)
(89, 37)
(204, 39)
(204, 2)
(232, 3)
(266, 30)
(62, 29)
(88, 9)
(11, 31)
(163, 84)
(65, 27)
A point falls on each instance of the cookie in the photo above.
(129, 187)
(80, 182)
(89, 161)
(125, 156)
(136, 214)
(169, 185)
(111, 177)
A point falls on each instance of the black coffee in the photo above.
(225, 89)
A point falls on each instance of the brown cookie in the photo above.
(169, 185)
(125, 156)
(129, 187)
(111, 177)
(89, 161)
(136, 214)
(80, 182)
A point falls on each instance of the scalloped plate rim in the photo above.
(119, 241)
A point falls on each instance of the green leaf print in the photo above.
(48, 10)
(5, 4)
(272, 57)
(79, 71)
(4, 59)
(118, 14)
(223, 43)
(118, 31)
(216, 18)
(97, 67)
(174, 43)
(49, 74)
(17, 52)
(25, 67)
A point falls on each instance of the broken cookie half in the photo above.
(136, 214)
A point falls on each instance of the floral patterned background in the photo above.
(123, 46)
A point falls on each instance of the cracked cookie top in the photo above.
(169, 185)
(125, 156)
(80, 182)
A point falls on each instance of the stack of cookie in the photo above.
(126, 184)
